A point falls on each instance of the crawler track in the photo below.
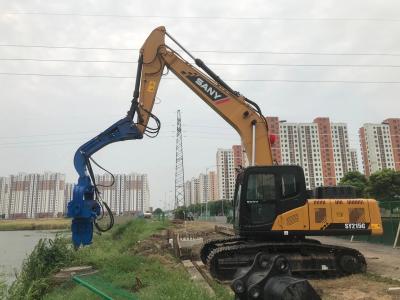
(308, 258)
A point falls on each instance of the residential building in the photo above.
(212, 186)
(341, 152)
(354, 160)
(394, 128)
(239, 157)
(273, 128)
(125, 193)
(47, 195)
(68, 193)
(34, 195)
(225, 173)
(4, 197)
(321, 148)
(188, 192)
(203, 188)
(195, 191)
(377, 150)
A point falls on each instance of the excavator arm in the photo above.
(242, 114)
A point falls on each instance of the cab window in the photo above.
(289, 185)
(260, 198)
(261, 188)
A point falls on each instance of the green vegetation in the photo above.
(47, 257)
(357, 180)
(126, 260)
(214, 208)
(158, 211)
(382, 185)
(3, 288)
(35, 224)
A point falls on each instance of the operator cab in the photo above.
(264, 192)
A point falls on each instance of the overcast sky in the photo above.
(44, 119)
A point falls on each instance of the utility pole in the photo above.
(179, 170)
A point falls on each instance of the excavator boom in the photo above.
(241, 113)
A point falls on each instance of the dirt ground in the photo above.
(382, 260)
(383, 269)
(355, 287)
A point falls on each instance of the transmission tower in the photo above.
(179, 170)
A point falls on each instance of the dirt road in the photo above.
(382, 260)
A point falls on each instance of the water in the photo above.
(15, 246)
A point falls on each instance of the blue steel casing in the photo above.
(83, 207)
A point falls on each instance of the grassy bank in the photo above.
(35, 224)
(128, 262)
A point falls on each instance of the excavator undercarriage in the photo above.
(307, 258)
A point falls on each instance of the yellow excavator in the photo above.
(273, 211)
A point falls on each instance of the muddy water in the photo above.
(15, 246)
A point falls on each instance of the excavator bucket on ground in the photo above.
(270, 278)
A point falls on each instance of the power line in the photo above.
(238, 80)
(50, 134)
(193, 134)
(211, 63)
(96, 132)
(241, 18)
(69, 60)
(209, 51)
(80, 141)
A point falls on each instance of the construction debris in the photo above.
(67, 273)
(394, 290)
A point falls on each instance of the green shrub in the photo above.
(47, 257)
(3, 289)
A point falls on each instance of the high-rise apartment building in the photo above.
(195, 191)
(310, 154)
(212, 186)
(274, 128)
(341, 151)
(129, 193)
(239, 156)
(4, 197)
(354, 160)
(201, 189)
(47, 195)
(394, 128)
(188, 192)
(380, 146)
(225, 173)
(32, 195)
(68, 193)
(321, 148)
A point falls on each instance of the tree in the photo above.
(157, 211)
(384, 185)
(180, 213)
(357, 180)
